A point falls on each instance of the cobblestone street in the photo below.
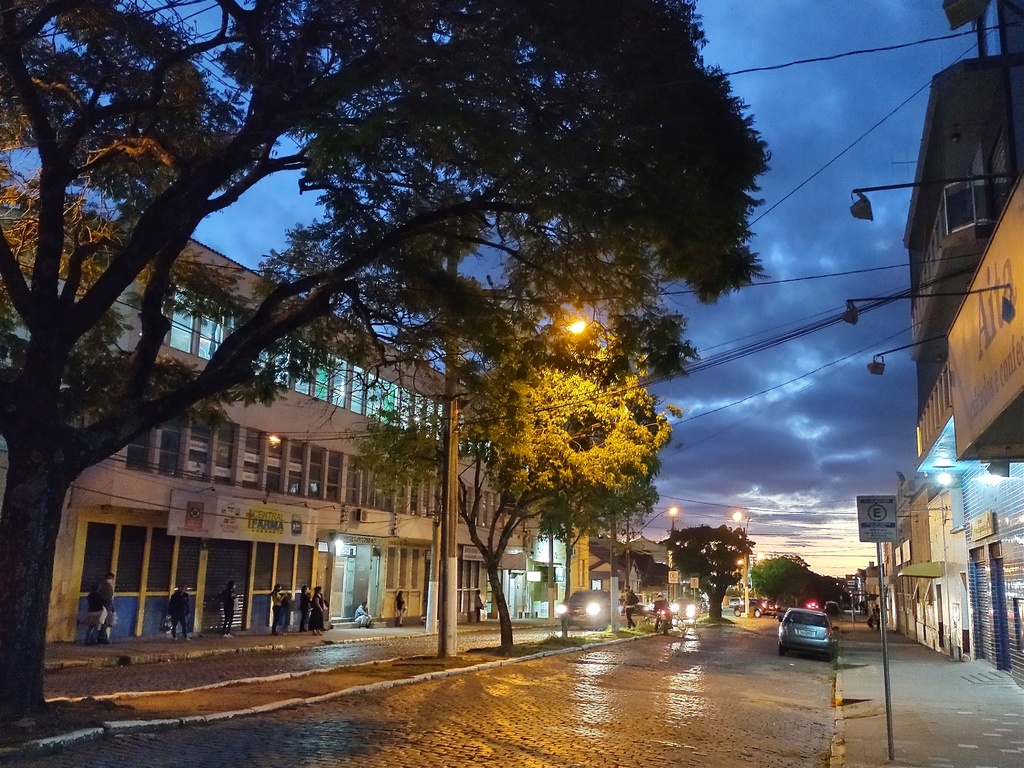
(724, 700)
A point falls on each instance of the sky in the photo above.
(792, 434)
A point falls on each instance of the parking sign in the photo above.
(876, 518)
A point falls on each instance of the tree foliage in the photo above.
(783, 578)
(567, 146)
(712, 554)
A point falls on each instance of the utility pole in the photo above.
(448, 630)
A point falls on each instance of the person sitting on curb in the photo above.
(362, 618)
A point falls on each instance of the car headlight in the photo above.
(561, 609)
(691, 611)
(593, 609)
(674, 607)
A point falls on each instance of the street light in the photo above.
(739, 517)
(672, 512)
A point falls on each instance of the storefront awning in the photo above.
(926, 570)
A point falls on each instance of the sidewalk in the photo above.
(156, 648)
(946, 714)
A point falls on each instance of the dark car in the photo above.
(758, 608)
(807, 631)
(588, 608)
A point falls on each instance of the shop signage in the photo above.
(983, 525)
(212, 516)
(986, 342)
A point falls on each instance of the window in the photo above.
(224, 460)
(275, 450)
(295, 456)
(338, 387)
(137, 456)
(181, 330)
(352, 495)
(211, 336)
(314, 486)
(198, 450)
(358, 389)
(169, 456)
(251, 460)
(333, 476)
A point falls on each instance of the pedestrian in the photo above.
(286, 610)
(276, 609)
(399, 608)
(362, 617)
(227, 607)
(106, 589)
(632, 601)
(317, 611)
(177, 609)
(304, 607)
(95, 613)
(478, 605)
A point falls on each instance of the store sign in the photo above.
(984, 525)
(212, 516)
(986, 342)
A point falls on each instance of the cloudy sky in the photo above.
(792, 434)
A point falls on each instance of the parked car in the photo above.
(807, 631)
(832, 608)
(758, 608)
(588, 608)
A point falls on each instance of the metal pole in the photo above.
(551, 577)
(613, 585)
(885, 648)
(435, 567)
(447, 639)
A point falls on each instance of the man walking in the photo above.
(632, 601)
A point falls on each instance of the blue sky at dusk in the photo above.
(791, 434)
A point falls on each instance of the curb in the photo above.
(126, 659)
(116, 727)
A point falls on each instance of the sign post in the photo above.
(876, 520)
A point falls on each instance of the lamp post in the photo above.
(739, 517)
(672, 512)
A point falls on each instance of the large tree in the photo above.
(561, 450)
(711, 554)
(580, 146)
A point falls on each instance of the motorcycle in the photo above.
(667, 618)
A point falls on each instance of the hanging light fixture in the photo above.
(861, 208)
(877, 365)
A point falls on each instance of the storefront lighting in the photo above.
(944, 478)
(339, 546)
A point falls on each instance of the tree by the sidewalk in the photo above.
(783, 578)
(561, 450)
(711, 554)
(584, 141)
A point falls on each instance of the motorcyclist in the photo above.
(661, 611)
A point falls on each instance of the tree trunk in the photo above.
(569, 548)
(29, 522)
(498, 595)
(715, 603)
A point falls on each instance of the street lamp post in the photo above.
(739, 517)
(672, 512)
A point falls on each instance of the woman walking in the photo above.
(317, 611)
(304, 606)
(399, 608)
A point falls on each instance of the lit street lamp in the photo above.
(672, 512)
(739, 517)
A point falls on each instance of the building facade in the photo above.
(958, 572)
(259, 495)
